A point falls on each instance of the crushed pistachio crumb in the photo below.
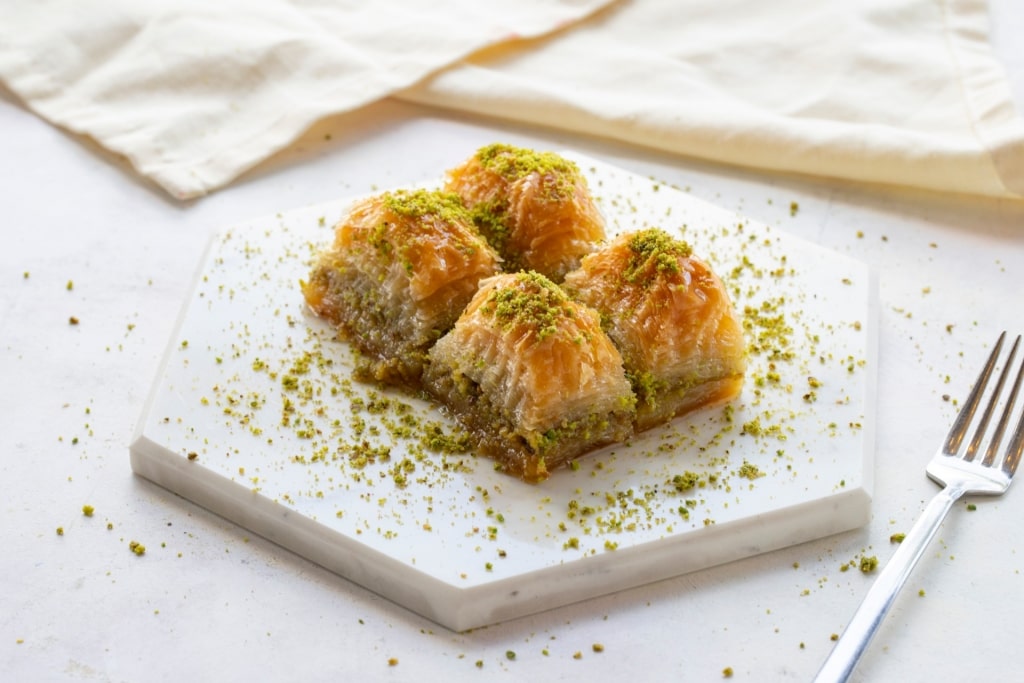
(750, 471)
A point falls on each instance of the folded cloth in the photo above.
(194, 92)
(903, 92)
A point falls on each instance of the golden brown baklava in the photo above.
(531, 375)
(670, 317)
(402, 268)
(534, 207)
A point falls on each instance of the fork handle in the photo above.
(866, 620)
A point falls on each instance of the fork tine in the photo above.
(1004, 420)
(993, 400)
(963, 419)
(1000, 429)
(1016, 446)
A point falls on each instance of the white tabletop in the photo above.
(85, 238)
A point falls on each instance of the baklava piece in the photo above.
(533, 207)
(402, 267)
(531, 375)
(670, 317)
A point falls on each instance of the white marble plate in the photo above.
(254, 416)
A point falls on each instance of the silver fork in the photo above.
(955, 467)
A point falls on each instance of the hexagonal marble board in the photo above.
(254, 416)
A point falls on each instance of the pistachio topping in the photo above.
(447, 206)
(517, 162)
(513, 163)
(533, 301)
(655, 253)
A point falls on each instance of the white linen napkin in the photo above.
(194, 92)
(903, 92)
